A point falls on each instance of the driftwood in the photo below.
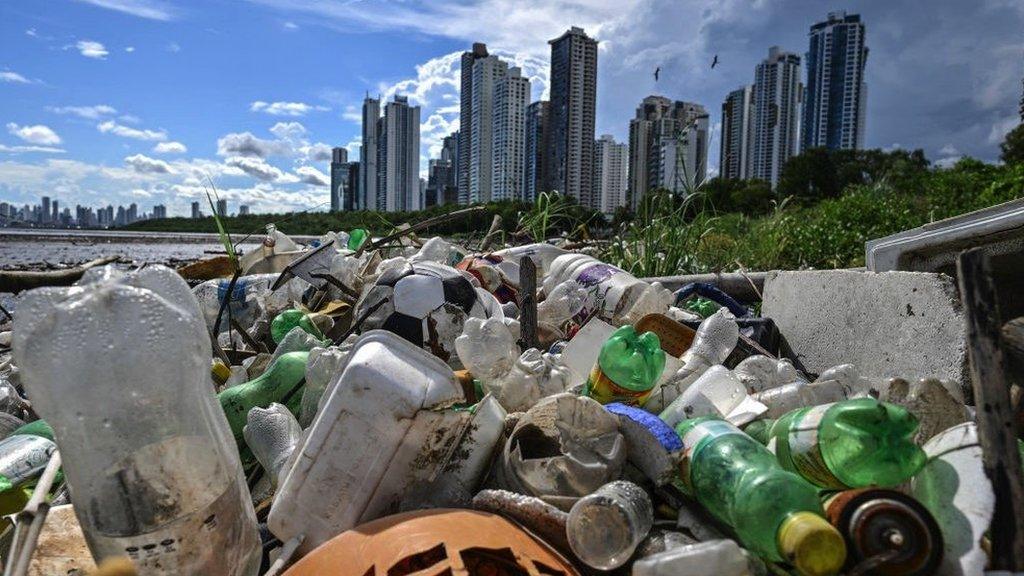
(996, 420)
(527, 303)
(492, 233)
(18, 280)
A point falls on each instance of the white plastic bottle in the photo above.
(620, 296)
(119, 367)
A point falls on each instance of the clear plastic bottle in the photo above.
(800, 394)
(120, 367)
(775, 513)
(849, 444)
(272, 434)
(604, 528)
(712, 558)
(616, 294)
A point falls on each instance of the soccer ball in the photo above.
(427, 304)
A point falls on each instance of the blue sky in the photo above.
(115, 101)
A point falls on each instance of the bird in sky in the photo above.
(714, 62)
(657, 72)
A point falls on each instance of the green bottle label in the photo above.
(805, 450)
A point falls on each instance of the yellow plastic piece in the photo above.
(220, 372)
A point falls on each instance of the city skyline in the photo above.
(270, 143)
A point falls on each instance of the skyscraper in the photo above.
(196, 213)
(369, 168)
(682, 160)
(538, 134)
(399, 156)
(341, 195)
(658, 123)
(44, 215)
(509, 151)
(776, 105)
(573, 83)
(611, 173)
(159, 211)
(488, 73)
(735, 155)
(835, 109)
(466, 118)
(243, 210)
(222, 209)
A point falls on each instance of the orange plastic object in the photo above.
(434, 543)
(675, 338)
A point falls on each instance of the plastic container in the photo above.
(155, 471)
(25, 453)
(285, 321)
(849, 444)
(543, 255)
(759, 373)
(714, 341)
(627, 368)
(605, 527)
(775, 513)
(613, 293)
(716, 393)
(711, 558)
(799, 394)
(382, 428)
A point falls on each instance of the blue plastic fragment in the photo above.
(666, 436)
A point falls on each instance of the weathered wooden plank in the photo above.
(527, 303)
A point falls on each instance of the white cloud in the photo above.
(146, 165)
(310, 175)
(285, 108)
(88, 112)
(288, 130)
(129, 49)
(92, 49)
(290, 26)
(150, 9)
(949, 150)
(112, 127)
(37, 134)
(41, 149)
(246, 144)
(260, 169)
(353, 114)
(31, 32)
(174, 47)
(318, 152)
(13, 78)
(170, 148)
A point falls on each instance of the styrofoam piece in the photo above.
(381, 430)
(954, 488)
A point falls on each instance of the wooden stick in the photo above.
(419, 226)
(527, 303)
(492, 233)
(17, 280)
(996, 423)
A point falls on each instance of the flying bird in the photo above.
(657, 72)
(714, 62)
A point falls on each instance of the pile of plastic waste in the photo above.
(338, 410)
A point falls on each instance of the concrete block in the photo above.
(906, 325)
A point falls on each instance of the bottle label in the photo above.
(694, 439)
(219, 539)
(805, 451)
(24, 457)
(601, 388)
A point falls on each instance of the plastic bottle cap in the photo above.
(220, 372)
(811, 544)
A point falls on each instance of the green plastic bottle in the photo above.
(627, 368)
(283, 323)
(356, 238)
(775, 513)
(283, 376)
(25, 453)
(849, 444)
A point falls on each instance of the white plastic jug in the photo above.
(619, 296)
(382, 429)
(119, 366)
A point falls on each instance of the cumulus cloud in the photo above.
(92, 49)
(149, 9)
(111, 127)
(288, 130)
(260, 169)
(87, 112)
(13, 78)
(310, 175)
(170, 148)
(284, 108)
(318, 152)
(248, 145)
(146, 165)
(36, 134)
